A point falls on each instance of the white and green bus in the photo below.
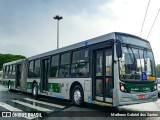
(114, 69)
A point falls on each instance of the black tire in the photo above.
(78, 95)
(35, 90)
(9, 86)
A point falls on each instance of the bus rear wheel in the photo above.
(77, 96)
(35, 90)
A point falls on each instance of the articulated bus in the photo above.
(111, 70)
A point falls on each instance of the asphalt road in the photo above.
(46, 108)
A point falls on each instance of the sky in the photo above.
(27, 27)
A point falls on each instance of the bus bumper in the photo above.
(130, 98)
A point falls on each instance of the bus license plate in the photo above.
(141, 96)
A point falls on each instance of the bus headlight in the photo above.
(122, 88)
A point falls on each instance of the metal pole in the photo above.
(57, 34)
(57, 17)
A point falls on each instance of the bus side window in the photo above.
(10, 70)
(54, 66)
(30, 70)
(13, 70)
(4, 71)
(37, 68)
(80, 63)
(64, 65)
(108, 63)
(7, 67)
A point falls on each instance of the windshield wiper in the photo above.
(130, 54)
(133, 60)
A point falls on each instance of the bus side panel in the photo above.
(62, 89)
(24, 73)
(5, 82)
(30, 82)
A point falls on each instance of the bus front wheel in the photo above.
(77, 95)
(35, 90)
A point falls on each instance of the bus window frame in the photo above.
(34, 69)
(64, 64)
(75, 50)
(102, 45)
(52, 66)
(135, 81)
(31, 77)
(71, 53)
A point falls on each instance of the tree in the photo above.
(4, 58)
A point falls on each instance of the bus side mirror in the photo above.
(119, 50)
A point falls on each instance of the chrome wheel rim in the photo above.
(35, 90)
(9, 86)
(77, 96)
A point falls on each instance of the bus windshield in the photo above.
(135, 62)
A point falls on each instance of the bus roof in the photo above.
(130, 35)
(70, 47)
(109, 36)
(13, 62)
(77, 45)
(95, 40)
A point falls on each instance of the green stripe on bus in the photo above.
(54, 87)
(29, 85)
(139, 87)
(4, 83)
(12, 83)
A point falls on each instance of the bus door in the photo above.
(18, 75)
(45, 70)
(102, 71)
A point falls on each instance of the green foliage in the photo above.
(4, 58)
(158, 70)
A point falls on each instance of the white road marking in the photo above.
(33, 106)
(13, 109)
(8, 107)
(45, 103)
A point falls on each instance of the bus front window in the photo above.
(134, 62)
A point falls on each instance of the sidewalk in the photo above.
(151, 106)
